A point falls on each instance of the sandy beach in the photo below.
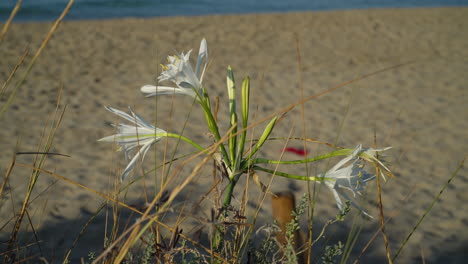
(419, 108)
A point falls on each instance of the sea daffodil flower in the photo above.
(370, 154)
(180, 72)
(352, 178)
(129, 137)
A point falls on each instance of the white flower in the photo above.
(180, 72)
(370, 154)
(352, 178)
(129, 137)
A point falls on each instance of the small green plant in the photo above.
(263, 254)
(331, 252)
(148, 251)
(188, 255)
(290, 254)
(91, 257)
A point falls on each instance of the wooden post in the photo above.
(283, 204)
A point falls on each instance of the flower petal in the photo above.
(337, 198)
(370, 155)
(348, 158)
(152, 90)
(127, 116)
(140, 119)
(132, 163)
(202, 57)
(130, 137)
(354, 204)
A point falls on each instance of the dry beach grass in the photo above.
(420, 109)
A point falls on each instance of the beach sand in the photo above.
(419, 108)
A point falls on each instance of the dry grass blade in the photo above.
(137, 230)
(75, 242)
(21, 248)
(310, 212)
(34, 232)
(436, 198)
(419, 222)
(80, 185)
(362, 77)
(113, 200)
(7, 175)
(36, 55)
(41, 152)
(10, 77)
(382, 217)
(317, 95)
(381, 214)
(35, 174)
(8, 22)
(263, 196)
(309, 140)
(366, 246)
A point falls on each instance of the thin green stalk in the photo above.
(82, 232)
(218, 233)
(292, 176)
(173, 135)
(353, 235)
(232, 141)
(341, 152)
(215, 130)
(266, 133)
(229, 191)
(428, 210)
(245, 94)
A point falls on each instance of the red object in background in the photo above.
(297, 151)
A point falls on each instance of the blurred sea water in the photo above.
(46, 10)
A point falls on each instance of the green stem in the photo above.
(219, 232)
(182, 138)
(163, 135)
(292, 176)
(213, 126)
(228, 194)
(341, 152)
(263, 137)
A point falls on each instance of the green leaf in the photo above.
(245, 100)
(340, 152)
(213, 126)
(292, 176)
(231, 86)
(264, 137)
(245, 116)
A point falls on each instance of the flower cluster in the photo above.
(180, 72)
(347, 175)
(142, 133)
(130, 137)
(352, 177)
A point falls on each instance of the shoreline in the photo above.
(267, 13)
(201, 10)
